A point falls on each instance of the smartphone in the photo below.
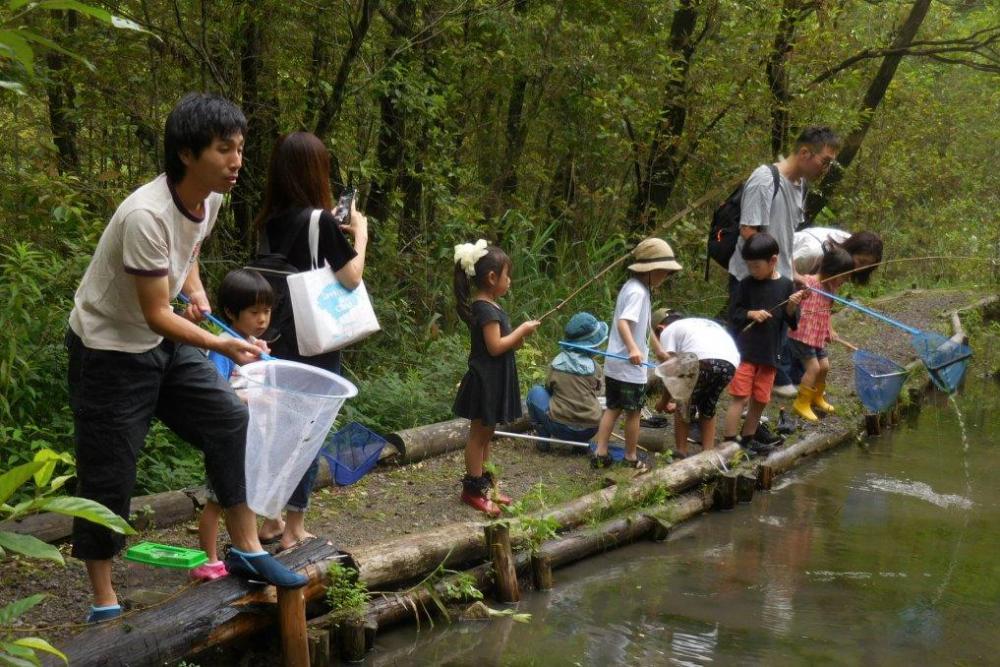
(343, 210)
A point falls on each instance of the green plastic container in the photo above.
(164, 555)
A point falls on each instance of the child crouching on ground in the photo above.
(808, 341)
(626, 380)
(245, 300)
(567, 407)
(717, 362)
(756, 301)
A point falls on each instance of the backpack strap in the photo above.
(777, 179)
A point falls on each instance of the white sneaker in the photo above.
(786, 391)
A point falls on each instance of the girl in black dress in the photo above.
(489, 392)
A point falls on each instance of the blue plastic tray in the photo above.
(351, 452)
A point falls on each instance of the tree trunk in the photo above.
(777, 75)
(261, 110)
(61, 93)
(663, 164)
(390, 150)
(873, 97)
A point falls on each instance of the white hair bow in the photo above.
(467, 254)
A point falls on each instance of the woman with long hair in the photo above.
(298, 182)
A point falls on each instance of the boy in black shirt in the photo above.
(753, 301)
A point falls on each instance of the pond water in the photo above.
(882, 553)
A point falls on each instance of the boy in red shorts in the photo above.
(754, 302)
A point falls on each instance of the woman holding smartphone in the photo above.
(298, 182)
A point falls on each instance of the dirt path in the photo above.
(394, 501)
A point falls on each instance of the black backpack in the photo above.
(274, 266)
(725, 229)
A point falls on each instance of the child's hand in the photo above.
(759, 315)
(529, 327)
(635, 356)
(797, 297)
(260, 344)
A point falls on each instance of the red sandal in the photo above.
(481, 503)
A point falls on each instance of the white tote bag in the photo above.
(327, 315)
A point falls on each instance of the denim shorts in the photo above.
(803, 351)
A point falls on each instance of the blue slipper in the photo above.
(106, 613)
(263, 568)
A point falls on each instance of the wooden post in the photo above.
(765, 477)
(873, 425)
(745, 485)
(894, 415)
(371, 630)
(352, 640)
(319, 647)
(541, 571)
(724, 497)
(499, 549)
(292, 621)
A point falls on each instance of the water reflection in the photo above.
(883, 554)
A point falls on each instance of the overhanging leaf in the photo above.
(39, 644)
(12, 85)
(86, 509)
(49, 44)
(14, 478)
(49, 458)
(30, 546)
(20, 48)
(16, 609)
(11, 660)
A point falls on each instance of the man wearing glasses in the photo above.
(774, 201)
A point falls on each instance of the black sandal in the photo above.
(641, 463)
(598, 461)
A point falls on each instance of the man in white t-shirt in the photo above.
(133, 358)
(814, 152)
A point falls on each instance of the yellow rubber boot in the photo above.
(803, 403)
(819, 400)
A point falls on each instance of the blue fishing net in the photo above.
(945, 359)
(878, 380)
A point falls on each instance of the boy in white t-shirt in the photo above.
(625, 380)
(133, 358)
(717, 362)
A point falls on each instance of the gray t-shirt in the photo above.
(777, 215)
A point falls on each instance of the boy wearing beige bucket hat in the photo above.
(625, 381)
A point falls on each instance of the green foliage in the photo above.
(347, 597)
(535, 529)
(40, 471)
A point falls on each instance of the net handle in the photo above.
(868, 311)
(584, 348)
(225, 327)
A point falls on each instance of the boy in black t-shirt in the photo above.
(758, 334)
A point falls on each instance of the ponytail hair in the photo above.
(495, 260)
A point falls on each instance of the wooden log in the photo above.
(787, 457)
(765, 477)
(541, 572)
(421, 442)
(724, 494)
(351, 639)
(873, 425)
(292, 621)
(674, 479)
(154, 511)
(319, 646)
(502, 555)
(746, 483)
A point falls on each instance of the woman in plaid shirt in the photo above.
(808, 341)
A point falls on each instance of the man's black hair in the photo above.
(671, 317)
(192, 125)
(818, 136)
(759, 246)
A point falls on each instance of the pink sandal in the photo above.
(209, 571)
